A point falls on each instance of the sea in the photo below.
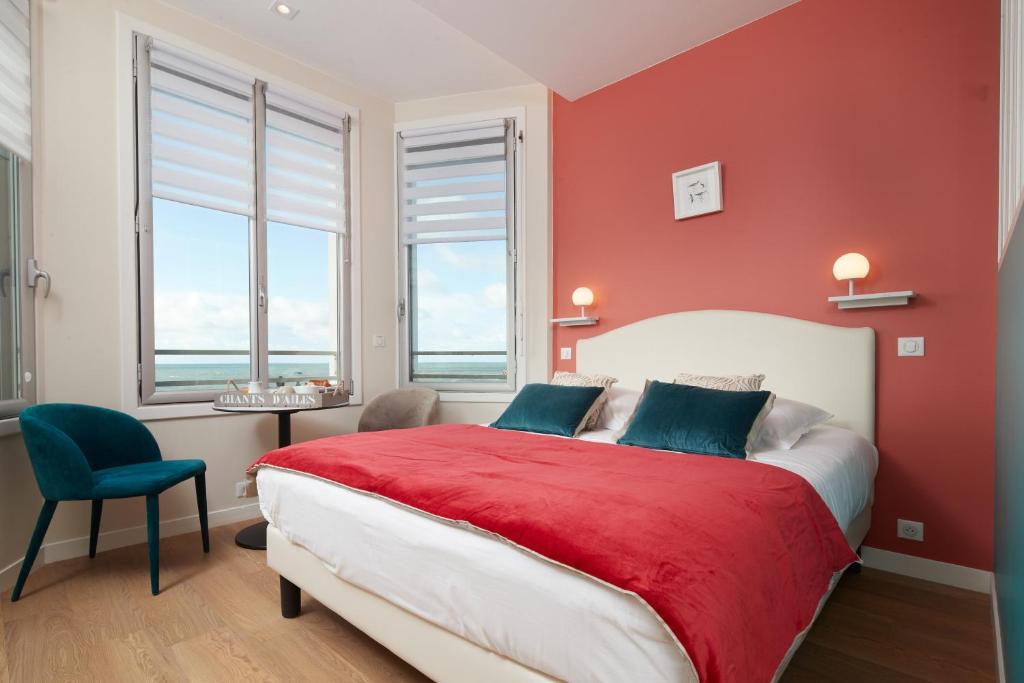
(216, 375)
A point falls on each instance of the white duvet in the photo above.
(513, 603)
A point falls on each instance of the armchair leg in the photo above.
(94, 528)
(42, 524)
(204, 525)
(153, 536)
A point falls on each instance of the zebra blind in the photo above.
(306, 152)
(202, 126)
(453, 183)
(1011, 148)
(15, 78)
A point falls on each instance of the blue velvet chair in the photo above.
(82, 452)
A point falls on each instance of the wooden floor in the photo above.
(218, 619)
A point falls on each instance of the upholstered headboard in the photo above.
(828, 366)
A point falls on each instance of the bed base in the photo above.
(440, 654)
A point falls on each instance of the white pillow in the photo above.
(618, 408)
(786, 423)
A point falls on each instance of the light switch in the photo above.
(378, 341)
(910, 346)
(566, 353)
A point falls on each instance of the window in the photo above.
(17, 330)
(457, 213)
(1011, 149)
(243, 235)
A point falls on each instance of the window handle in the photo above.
(261, 299)
(33, 274)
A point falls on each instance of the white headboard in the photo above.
(828, 366)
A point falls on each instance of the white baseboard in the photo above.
(956, 575)
(1000, 662)
(9, 574)
(118, 538)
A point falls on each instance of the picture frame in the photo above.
(697, 191)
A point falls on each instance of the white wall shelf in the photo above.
(575, 322)
(873, 300)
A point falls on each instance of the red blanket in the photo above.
(734, 556)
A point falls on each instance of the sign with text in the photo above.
(270, 401)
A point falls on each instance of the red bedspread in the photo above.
(734, 556)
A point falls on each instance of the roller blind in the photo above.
(15, 78)
(306, 152)
(1011, 180)
(202, 126)
(453, 183)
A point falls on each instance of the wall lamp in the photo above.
(854, 266)
(582, 297)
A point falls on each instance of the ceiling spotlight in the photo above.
(283, 10)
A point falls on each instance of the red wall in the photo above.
(867, 126)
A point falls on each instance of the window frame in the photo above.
(350, 280)
(515, 265)
(27, 340)
(1011, 124)
(25, 353)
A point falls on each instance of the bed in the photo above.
(463, 606)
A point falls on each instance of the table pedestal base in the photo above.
(253, 537)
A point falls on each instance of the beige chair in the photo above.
(400, 409)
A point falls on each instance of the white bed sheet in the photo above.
(512, 602)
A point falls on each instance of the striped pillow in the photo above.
(575, 379)
(723, 383)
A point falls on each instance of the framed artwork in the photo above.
(697, 190)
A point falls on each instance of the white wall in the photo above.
(77, 192)
(537, 210)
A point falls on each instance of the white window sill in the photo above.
(172, 411)
(476, 397)
(9, 426)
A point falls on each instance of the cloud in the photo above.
(490, 261)
(301, 324)
(201, 320)
(205, 320)
(495, 297)
(459, 320)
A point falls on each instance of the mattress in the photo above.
(492, 594)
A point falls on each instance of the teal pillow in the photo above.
(688, 419)
(549, 409)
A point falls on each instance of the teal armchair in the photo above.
(81, 452)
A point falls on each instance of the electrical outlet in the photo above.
(566, 353)
(910, 346)
(240, 489)
(912, 531)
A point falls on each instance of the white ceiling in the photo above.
(577, 46)
(412, 49)
(393, 48)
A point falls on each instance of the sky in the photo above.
(461, 296)
(201, 279)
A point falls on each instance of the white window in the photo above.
(18, 277)
(457, 195)
(243, 230)
(1011, 149)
